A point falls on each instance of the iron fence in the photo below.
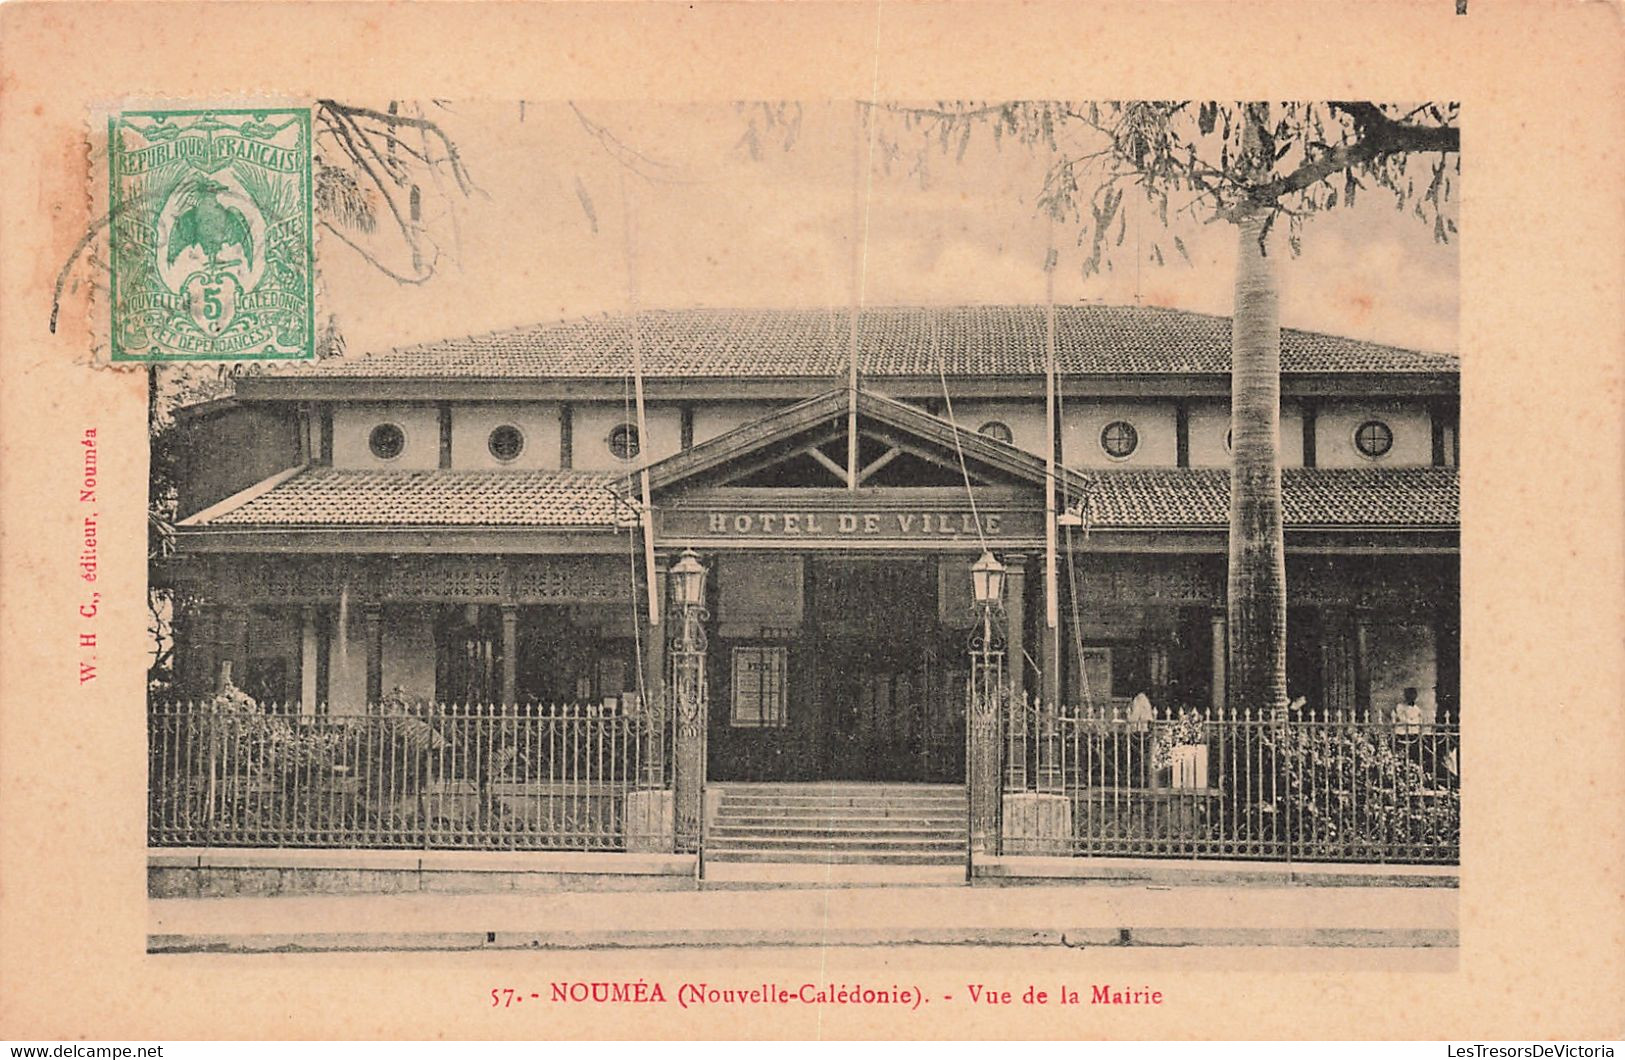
(1250, 785)
(229, 772)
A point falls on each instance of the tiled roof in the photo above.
(329, 497)
(1311, 497)
(893, 341)
(1140, 499)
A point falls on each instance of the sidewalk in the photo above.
(1407, 917)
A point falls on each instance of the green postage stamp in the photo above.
(212, 235)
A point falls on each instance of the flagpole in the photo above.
(646, 510)
(1052, 607)
(857, 298)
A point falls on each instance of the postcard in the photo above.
(811, 521)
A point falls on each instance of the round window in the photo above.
(386, 441)
(995, 429)
(623, 442)
(506, 442)
(1119, 439)
(1373, 438)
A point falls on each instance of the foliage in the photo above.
(368, 163)
(228, 770)
(1248, 163)
(1212, 160)
(1343, 788)
(1101, 820)
(1188, 727)
(373, 168)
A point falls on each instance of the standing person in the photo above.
(1408, 714)
(1408, 726)
(1140, 715)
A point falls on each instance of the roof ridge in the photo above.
(979, 339)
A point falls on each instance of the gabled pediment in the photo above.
(805, 446)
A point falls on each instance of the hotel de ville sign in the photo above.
(833, 524)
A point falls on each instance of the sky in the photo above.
(546, 235)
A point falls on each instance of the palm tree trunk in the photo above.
(1257, 574)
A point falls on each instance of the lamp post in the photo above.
(987, 695)
(688, 687)
(987, 647)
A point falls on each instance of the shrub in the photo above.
(1350, 789)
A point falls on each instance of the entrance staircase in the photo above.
(838, 824)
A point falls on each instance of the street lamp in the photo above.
(688, 580)
(987, 581)
(987, 643)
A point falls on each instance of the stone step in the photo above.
(833, 833)
(830, 785)
(836, 857)
(825, 809)
(777, 821)
(851, 824)
(755, 799)
(851, 845)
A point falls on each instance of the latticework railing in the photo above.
(229, 772)
(1258, 785)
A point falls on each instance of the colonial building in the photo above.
(463, 521)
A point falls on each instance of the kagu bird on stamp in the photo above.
(212, 234)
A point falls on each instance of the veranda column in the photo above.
(1336, 662)
(233, 647)
(1447, 646)
(1161, 691)
(1362, 668)
(510, 654)
(307, 660)
(688, 686)
(206, 642)
(1218, 623)
(374, 616)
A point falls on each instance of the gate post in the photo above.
(984, 711)
(688, 693)
(987, 698)
(649, 818)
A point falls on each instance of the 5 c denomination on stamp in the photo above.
(213, 252)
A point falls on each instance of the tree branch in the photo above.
(422, 276)
(1391, 135)
(464, 182)
(1377, 135)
